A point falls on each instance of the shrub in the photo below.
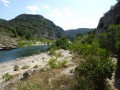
(52, 51)
(16, 68)
(52, 63)
(36, 66)
(58, 54)
(62, 43)
(95, 68)
(7, 77)
(25, 67)
(61, 63)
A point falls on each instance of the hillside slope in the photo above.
(111, 17)
(32, 26)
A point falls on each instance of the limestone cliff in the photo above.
(6, 42)
(111, 17)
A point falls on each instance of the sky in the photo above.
(68, 14)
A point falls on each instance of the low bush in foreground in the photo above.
(7, 77)
(25, 67)
(16, 68)
(53, 63)
(36, 66)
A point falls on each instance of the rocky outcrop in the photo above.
(7, 42)
(111, 17)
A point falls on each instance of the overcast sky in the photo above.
(68, 14)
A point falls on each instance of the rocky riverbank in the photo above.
(6, 42)
(41, 61)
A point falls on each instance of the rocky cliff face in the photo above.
(7, 42)
(111, 17)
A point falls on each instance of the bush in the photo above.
(52, 51)
(7, 77)
(61, 64)
(36, 66)
(95, 68)
(62, 43)
(16, 68)
(54, 64)
(25, 67)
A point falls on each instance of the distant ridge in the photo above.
(73, 32)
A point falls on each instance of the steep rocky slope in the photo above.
(111, 17)
(6, 42)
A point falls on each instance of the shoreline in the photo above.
(41, 60)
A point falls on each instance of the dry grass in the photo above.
(38, 81)
(62, 82)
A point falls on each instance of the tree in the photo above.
(62, 43)
(96, 67)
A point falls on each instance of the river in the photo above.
(13, 54)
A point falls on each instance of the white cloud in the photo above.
(5, 2)
(33, 9)
(45, 7)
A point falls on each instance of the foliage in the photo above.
(36, 66)
(25, 67)
(53, 63)
(22, 43)
(16, 68)
(61, 63)
(62, 43)
(73, 32)
(7, 77)
(28, 27)
(52, 51)
(95, 68)
(47, 41)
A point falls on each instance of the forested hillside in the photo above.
(31, 26)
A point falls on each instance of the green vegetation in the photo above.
(73, 32)
(53, 63)
(62, 43)
(36, 66)
(52, 51)
(95, 65)
(22, 43)
(30, 27)
(7, 77)
(95, 68)
(16, 68)
(47, 41)
(25, 67)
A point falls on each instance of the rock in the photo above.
(111, 17)
(6, 42)
(28, 73)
